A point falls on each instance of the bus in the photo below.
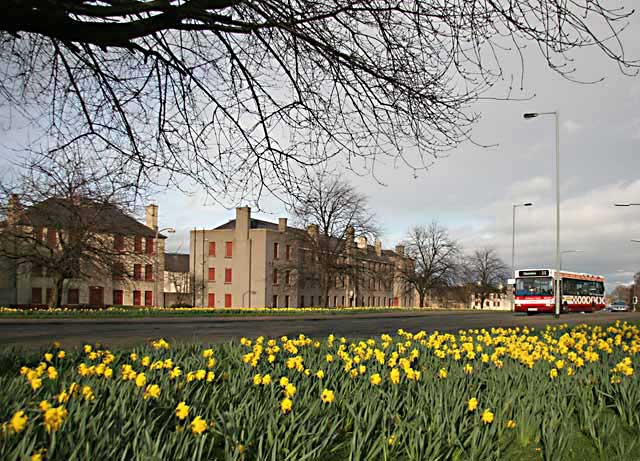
(580, 292)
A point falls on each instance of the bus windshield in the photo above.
(534, 286)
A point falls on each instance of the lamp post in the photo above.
(557, 273)
(513, 244)
(568, 251)
(169, 230)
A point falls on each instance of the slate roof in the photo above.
(107, 218)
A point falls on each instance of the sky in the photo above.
(472, 191)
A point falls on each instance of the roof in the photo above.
(61, 212)
(255, 224)
(176, 262)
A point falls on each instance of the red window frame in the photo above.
(228, 275)
(228, 250)
(212, 274)
(212, 248)
(148, 272)
(275, 276)
(137, 297)
(287, 277)
(149, 245)
(227, 300)
(73, 296)
(118, 242)
(137, 244)
(148, 298)
(118, 297)
(137, 272)
(276, 250)
(36, 295)
(52, 238)
(288, 252)
(211, 300)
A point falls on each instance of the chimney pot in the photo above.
(400, 250)
(378, 247)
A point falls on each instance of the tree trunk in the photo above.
(422, 296)
(56, 299)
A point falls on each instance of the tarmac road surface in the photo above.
(113, 332)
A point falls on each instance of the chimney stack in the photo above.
(400, 250)
(282, 224)
(362, 242)
(14, 209)
(312, 230)
(243, 222)
(152, 216)
(378, 247)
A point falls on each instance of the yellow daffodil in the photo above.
(182, 410)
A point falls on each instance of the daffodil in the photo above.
(182, 410)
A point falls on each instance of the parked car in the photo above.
(618, 306)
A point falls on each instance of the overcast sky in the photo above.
(471, 192)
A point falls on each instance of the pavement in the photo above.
(32, 334)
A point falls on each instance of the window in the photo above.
(118, 242)
(137, 244)
(36, 295)
(211, 300)
(535, 286)
(275, 301)
(228, 253)
(227, 300)
(38, 234)
(582, 287)
(276, 250)
(385, 301)
(149, 245)
(288, 252)
(148, 272)
(227, 275)
(301, 301)
(212, 274)
(118, 297)
(275, 276)
(342, 302)
(335, 301)
(148, 298)
(52, 238)
(312, 301)
(137, 272)
(378, 301)
(212, 248)
(287, 277)
(286, 301)
(73, 296)
(117, 271)
(136, 298)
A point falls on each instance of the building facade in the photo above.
(177, 280)
(253, 263)
(136, 253)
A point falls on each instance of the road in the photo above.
(36, 333)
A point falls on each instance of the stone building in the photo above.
(177, 280)
(136, 255)
(248, 262)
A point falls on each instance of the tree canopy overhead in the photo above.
(243, 95)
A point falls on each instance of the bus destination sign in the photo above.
(538, 273)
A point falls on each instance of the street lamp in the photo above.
(568, 251)
(626, 204)
(168, 230)
(557, 273)
(513, 244)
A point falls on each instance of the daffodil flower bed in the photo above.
(504, 394)
(153, 311)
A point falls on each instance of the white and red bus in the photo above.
(580, 292)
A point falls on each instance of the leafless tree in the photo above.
(436, 259)
(75, 199)
(243, 95)
(333, 214)
(486, 273)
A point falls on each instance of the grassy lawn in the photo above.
(141, 312)
(505, 394)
